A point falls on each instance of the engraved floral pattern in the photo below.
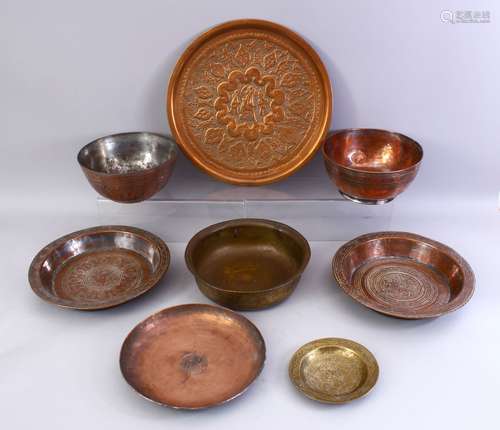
(249, 102)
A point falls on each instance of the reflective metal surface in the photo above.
(247, 264)
(99, 267)
(371, 166)
(128, 167)
(403, 275)
(333, 370)
(192, 356)
(249, 102)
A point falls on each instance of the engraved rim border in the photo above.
(219, 173)
(459, 301)
(186, 306)
(372, 369)
(35, 266)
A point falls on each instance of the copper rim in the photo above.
(464, 294)
(37, 285)
(372, 172)
(221, 172)
(126, 360)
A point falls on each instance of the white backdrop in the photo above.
(76, 70)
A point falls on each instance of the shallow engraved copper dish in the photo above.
(98, 267)
(249, 102)
(403, 275)
(371, 166)
(128, 167)
(247, 264)
(333, 370)
(192, 356)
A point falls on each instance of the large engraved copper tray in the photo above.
(403, 275)
(98, 267)
(249, 102)
(192, 356)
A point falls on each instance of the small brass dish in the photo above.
(333, 370)
(99, 267)
(128, 167)
(371, 166)
(247, 264)
(403, 275)
(192, 356)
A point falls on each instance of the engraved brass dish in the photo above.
(333, 370)
(403, 275)
(249, 102)
(128, 167)
(371, 166)
(247, 264)
(98, 267)
(192, 356)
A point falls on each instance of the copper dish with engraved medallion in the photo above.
(99, 267)
(403, 275)
(192, 356)
(333, 370)
(249, 102)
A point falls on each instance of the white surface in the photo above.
(75, 71)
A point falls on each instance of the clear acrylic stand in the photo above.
(192, 200)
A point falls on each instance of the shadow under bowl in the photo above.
(371, 166)
(99, 267)
(403, 275)
(128, 167)
(247, 264)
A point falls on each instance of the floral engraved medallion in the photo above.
(102, 275)
(249, 102)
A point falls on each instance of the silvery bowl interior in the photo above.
(127, 153)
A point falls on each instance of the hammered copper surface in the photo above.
(247, 264)
(403, 275)
(249, 102)
(192, 356)
(371, 166)
(333, 370)
(99, 267)
(128, 167)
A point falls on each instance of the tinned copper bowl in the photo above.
(128, 167)
(247, 264)
(371, 166)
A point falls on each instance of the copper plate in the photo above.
(333, 370)
(192, 356)
(249, 102)
(403, 275)
(98, 267)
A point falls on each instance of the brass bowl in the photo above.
(192, 356)
(371, 166)
(403, 275)
(128, 167)
(247, 264)
(333, 370)
(98, 267)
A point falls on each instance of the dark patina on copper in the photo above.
(247, 264)
(371, 166)
(128, 167)
(403, 275)
(98, 267)
(192, 356)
